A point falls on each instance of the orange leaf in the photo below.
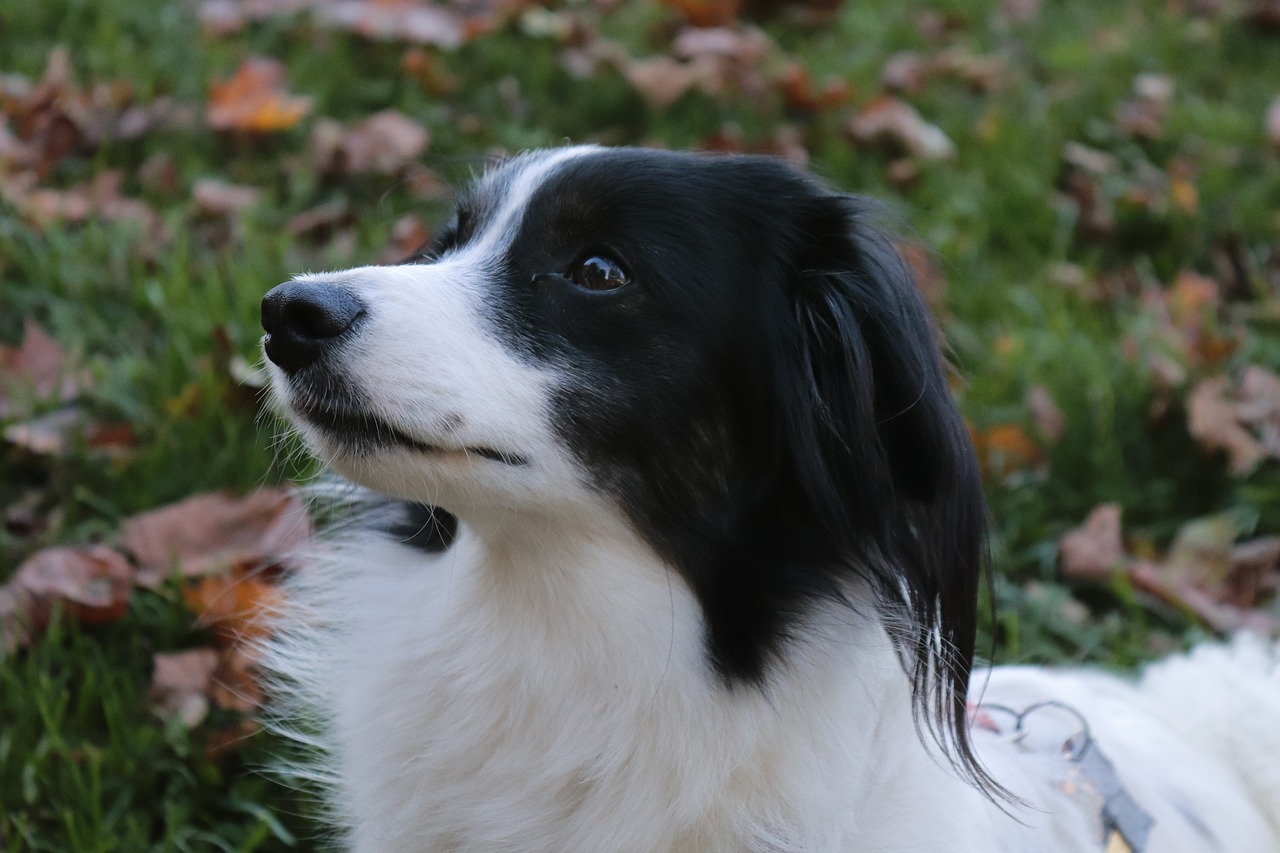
(1005, 449)
(254, 100)
(235, 606)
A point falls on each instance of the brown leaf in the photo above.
(1094, 551)
(181, 683)
(1244, 422)
(801, 96)
(385, 143)
(213, 531)
(37, 368)
(253, 100)
(92, 584)
(57, 433)
(660, 80)
(887, 119)
(98, 199)
(218, 198)
(906, 71)
(409, 236)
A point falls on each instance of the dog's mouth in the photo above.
(365, 432)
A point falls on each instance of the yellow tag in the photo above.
(1117, 844)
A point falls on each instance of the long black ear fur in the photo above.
(881, 453)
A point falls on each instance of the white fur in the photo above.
(542, 685)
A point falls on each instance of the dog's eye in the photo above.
(598, 273)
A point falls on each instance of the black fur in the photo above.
(765, 399)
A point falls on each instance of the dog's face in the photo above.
(717, 349)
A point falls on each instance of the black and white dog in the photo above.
(682, 551)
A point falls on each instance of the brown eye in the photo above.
(597, 273)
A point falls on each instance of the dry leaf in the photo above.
(235, 605)
(56, 433)
(218, 198)
(887, 119)
(99, 199)
(214, 531)
(92, 584)
(906, 71)
(1006, 449)
(800, 95)
(36, 368)
(385, 143)
(1244, 422)
(1094, 551)
(409, 237)
(181, 683)
(253, 100)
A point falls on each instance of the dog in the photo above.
(676, 545)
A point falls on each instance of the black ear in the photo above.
(880, 451)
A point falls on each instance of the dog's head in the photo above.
(718, 349)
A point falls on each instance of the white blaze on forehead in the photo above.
(531, 171)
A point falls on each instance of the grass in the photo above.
(85, 766)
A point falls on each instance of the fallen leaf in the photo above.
(906, 71)
(801, 96)
(385, 143)
(887, 119)
(218, 198)
(1006, 449)
(660, 80)
(213, 531)
(1094, 551)
(253, 100)
(181, 683)
(36, 369)
(409, 237)
(91, 583)
(98, 199)
(1244, 422)
(1217, 615)
(235, 605)
(58, 432)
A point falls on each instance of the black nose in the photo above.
(302, 318)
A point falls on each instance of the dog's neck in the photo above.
(563, 695)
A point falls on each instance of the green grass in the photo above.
(85, 766)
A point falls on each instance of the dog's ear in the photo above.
(880, 452)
